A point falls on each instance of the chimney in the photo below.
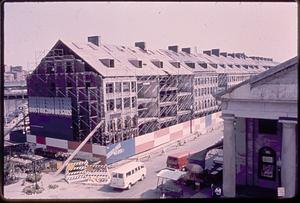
(94, 39)
(173, 48)
(223, 54)
(215, 52)
(232, 55)
(207, 52)
(141, 45)
(186, 50)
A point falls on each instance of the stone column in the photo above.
(229, 172)
(288, 157)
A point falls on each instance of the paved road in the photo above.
(142, 189)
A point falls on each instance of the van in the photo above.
(178, 160)
(127, 175)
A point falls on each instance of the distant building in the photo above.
(260, 132)
(133, 91)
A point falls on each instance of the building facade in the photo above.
(260, 131)
(133, 91)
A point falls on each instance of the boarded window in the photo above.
(126, 87)
(118, 87)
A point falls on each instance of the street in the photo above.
(142, 189)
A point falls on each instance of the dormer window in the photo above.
(190, 64)
(230, 65)
(202, 64)
(214, 65)
(176, 64)
(246, 66)
(222, 65)
(110, 63)
(136, 62)
(158, 63)
(238, 66)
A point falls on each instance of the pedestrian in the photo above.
(212, 187)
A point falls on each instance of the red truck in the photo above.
(178, 160)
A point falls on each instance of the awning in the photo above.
(170, 174)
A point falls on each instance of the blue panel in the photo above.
(120, 151)
(54, 126)
(207, 120)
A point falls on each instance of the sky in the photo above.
(257, 29)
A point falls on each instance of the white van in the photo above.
(127, 175)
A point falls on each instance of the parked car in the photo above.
(178, 160)
(127, 175)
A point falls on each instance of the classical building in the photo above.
(260, 131)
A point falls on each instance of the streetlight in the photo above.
(191, 122)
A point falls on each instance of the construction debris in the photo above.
(88, 174)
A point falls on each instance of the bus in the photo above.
(127, 175)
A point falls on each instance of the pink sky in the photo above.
(261, 29)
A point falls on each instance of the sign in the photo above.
(120, 151)
(281, 191)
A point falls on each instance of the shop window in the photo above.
(267, 163)
(266, 126)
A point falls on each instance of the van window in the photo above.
(132, 172)
(120, 175)
(136, 169)
(142, 166)
(115, 175)
(128, 174)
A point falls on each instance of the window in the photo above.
(266, 126)
(119, 123)
(110, 104)
(69, 67)
(195, 92)
(127, 122)
(127, 102)
(126, 87)
(132, 172)
(199, 92)
(119, 103)
(120, 175)
(133, 101)
(109, 87)
(118, 87)
(128, 173)
(142, 166)
(115, 175)
(133, 86)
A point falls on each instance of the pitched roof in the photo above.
(285, 65)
